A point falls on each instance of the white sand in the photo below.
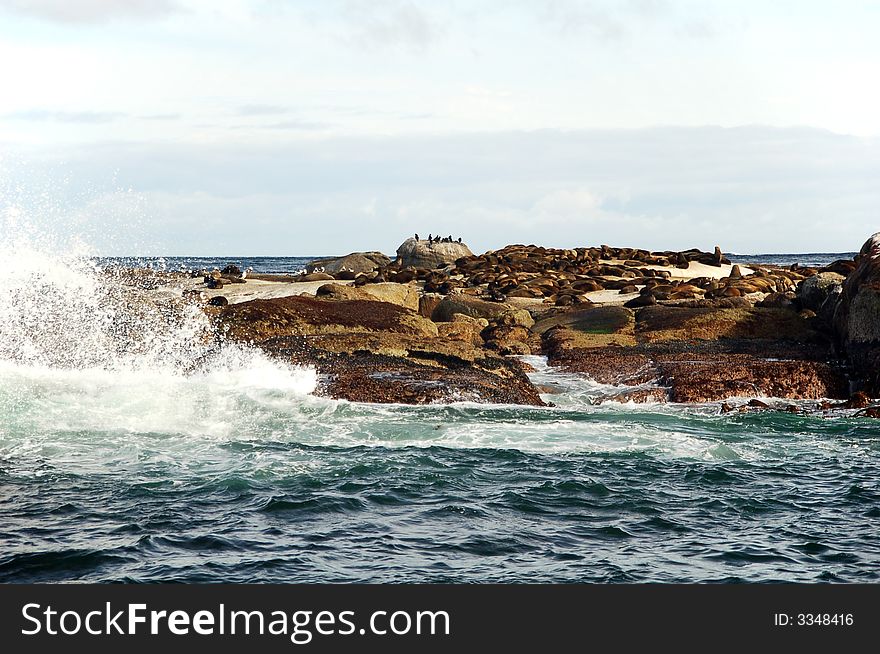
(256, 289)
(694, 270)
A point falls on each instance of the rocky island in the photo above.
(440, 324)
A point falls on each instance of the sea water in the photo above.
(132, 448)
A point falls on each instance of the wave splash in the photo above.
(66, 323)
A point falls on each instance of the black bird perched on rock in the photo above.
(430, 238)
(417, 236)
(459, 239)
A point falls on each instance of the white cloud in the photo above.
(90, 11)
(82, 117)
(377, 24)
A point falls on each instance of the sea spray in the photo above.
(64, 317)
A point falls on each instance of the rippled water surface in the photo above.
(227, 478)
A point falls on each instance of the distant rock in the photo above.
(356, 262)
(422, 254)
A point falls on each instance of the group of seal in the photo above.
(438, 239)
(563, 277)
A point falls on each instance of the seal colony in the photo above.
(441, 324)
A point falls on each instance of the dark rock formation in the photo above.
(857, 317)
(705, 355)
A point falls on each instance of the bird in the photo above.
(245, 273)
(417, 237)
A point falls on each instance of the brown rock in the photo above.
(259, 320)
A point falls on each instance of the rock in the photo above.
(218, 301)
(858, 400)
(592, 320)
(507, 339)
(470, 306)
(660, 323)
(814, 290)
(428, 303)
(402, 295)
(462, 331)
(460, 317)
(422, 254)
(403, 368)
(231, 269)
(260, 320)
(356, 262)
(705, 355)
(857, 317)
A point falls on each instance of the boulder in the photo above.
(402, 295)
(477, 308)
(815, 290)
(356, 262)
(468, 332)
(857, 317)
(422, 254)
(428, 302)
(591, 320)
(258, 321)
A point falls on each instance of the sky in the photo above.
(270, 127)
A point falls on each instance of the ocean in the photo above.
(294, 265)
(122, 462)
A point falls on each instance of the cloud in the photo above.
(160, 117)
(84, 117)
(261, 110)
(90, 11)
(749, 189)
(297, 124)
(390, 23)
(620, 19)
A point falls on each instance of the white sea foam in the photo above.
(82, 352)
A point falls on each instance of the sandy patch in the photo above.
(255, 289)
